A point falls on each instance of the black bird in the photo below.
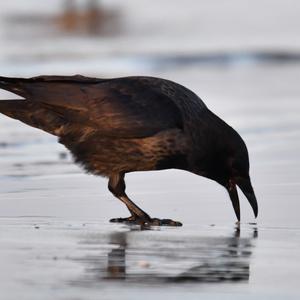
(121, 125)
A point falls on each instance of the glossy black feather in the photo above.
(125, 124)
(125, 107)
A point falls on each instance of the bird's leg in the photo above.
(116, 185)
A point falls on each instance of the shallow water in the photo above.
(55, 238)
(99, 258)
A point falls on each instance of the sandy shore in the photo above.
(55, 238)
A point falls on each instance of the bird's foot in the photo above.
(165, 222)
(134, 220)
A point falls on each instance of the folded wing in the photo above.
(122, 107)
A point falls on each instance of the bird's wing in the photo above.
(115, 107)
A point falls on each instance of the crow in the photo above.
(137, 123)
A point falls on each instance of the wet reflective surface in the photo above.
(49, 257)
(52, 253)
(149, 258)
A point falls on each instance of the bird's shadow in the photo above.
(156, 257)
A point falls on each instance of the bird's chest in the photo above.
(105, 155)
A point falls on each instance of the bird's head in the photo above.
(229, 166)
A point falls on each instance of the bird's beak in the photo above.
(246, 188)
(245, 185)
(234, 197)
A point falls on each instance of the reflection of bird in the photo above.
(211, 259)
(116, 258)
(121, 125)
(231, 264)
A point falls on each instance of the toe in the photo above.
(122, 220)
(146, 222)
(116, 220)
(165, 222)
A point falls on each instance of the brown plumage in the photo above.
(121, 125)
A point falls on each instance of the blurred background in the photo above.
(114, 37)
(243, 59)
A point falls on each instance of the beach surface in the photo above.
(56, 241)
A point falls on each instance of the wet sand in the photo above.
(55, 238)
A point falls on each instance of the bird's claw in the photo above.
(146, 221)
(165, 222)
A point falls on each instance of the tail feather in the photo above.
(50, 102)
(55, 90)
(14, 85)
(33, 114)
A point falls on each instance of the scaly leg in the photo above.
(116, 185)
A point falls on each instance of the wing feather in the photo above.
(120, 107)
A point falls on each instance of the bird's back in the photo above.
(126, 107)
(129, 123)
